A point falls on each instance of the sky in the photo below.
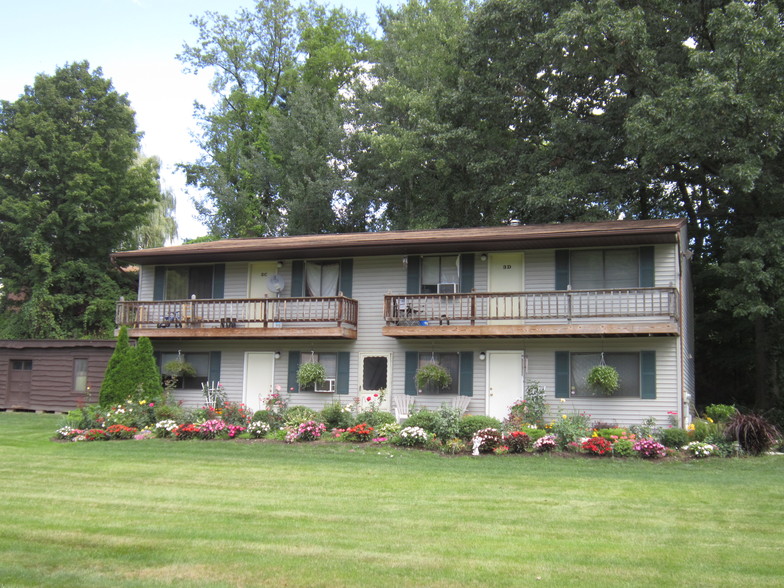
(135, 43)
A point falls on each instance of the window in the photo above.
(627, 365)
(440, 274)
(200, 362)
(451, 363)
(600, 269)
(330, 363)
(374, 372)
(80, 375)
(24, 365)
(322, 278)
(184, 282)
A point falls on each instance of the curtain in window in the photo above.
(322, 279)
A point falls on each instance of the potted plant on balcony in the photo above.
(311, 372)
(434, 375)
(604, 379)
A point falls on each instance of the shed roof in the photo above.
(610, 233)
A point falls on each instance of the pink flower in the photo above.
(375, 395)
(369, 398)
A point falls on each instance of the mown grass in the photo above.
(226, 513)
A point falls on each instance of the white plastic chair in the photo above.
(402, 404)
(461, 403)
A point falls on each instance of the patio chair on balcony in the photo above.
(461, 403)
(402, 404)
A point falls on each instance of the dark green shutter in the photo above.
(297, 278)
(215, 367)
(466, 373)
(159, 285)
(648, 375)
(294, 358)
(412, 363)
(346, 276)
(562, 374)
(218, 280)
(647, 267)
(562, 269)
(344, 367)
(467, 272)
(412, 274)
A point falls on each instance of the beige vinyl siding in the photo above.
(621, 411)
(236, 280)
(666, 266)
(146, 282)
(540, 270)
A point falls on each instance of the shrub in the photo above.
(596, 446)
(375, 418)
(703, 429)
(535, 434)
(546, 443)
(623, 448)
(720, 413)
(186, 431)
(674, 437)
(699, 449)
(422, 418)
(258, 429)
(361, 432)
(645, 430)
(610, 432)
(212, 429)
(517, 441)
(121, 432)
(447, 423)
(234, 413)
(485, 440)
(96, 435)
(469, 425)
(306, 431)
(297, 415)
(165, 428)
(163, 412)
(388, 430)
(454, 446)
(273, 419)
(335, 416)
(570, 428)
(411, 437)
(532, 409)
(754, 432)
(650, 449)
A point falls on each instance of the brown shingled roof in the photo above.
(617, 233)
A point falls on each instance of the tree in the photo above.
(411, 152)
(599, 109)
(115, 387)
(147, 375)
(261, 58)
(71, 190)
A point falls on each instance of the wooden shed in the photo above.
(51, 375)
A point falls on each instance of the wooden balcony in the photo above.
(569, 313)
(330, 317)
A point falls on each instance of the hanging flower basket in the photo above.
(432, 374)
(604, 379)
(311, 373)
(179, 368)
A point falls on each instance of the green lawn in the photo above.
(227, 513)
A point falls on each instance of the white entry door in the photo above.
(374, 371)
(506, 274)
(504, 381)
(259, 376)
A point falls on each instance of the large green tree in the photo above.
(278, 69)
(72, 189)
(644, 109)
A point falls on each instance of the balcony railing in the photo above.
(232, 313)
(552, 306)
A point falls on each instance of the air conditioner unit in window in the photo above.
(445, 288)
(328, 385)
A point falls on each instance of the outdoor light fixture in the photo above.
(277, 355)
(483, 257)
(482, 355)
